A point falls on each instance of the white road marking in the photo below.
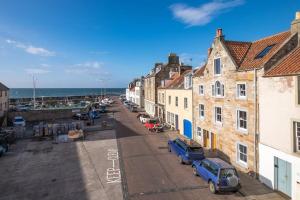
(113, 174)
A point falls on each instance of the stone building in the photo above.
(279, 110)
(4, 104)
(153, 81)
(139, 92)
(225, 95)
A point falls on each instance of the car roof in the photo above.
(18, 117)
(219, 163)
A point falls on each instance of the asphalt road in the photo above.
(149, 171)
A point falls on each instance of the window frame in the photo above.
(200, 110)
(217, 58)
(201, 90)
(239, 128)
(170, 100)
(221, 88)
(216, 115)
(176, 101)
(199, 130)
(238, 90)
(185, 103)
(238, 158)
(297, 136)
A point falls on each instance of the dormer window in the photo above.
(217, 66)
(188, 81)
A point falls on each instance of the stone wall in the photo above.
(43, 115)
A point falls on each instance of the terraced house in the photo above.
(178, 101)
(279, 146)
(153, 81)
(226, 100)
(4, 96)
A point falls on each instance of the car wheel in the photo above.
(212, 187)
(180, 159)
(195, 170)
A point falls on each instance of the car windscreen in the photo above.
(195, 149)
(229, 172)
(19, 120)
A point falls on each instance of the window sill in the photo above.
(243, 131)
(201, 118)
(219, 124)
(241, 98)
(242, 164)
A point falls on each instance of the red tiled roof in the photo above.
(177, 82)
(238, 50)
(200, 71)
(290, 65)
(250, 62)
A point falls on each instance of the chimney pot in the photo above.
(219, 32)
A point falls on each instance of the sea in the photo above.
(17, 93)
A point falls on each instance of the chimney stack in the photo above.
(173, 59)
(219, 33)
(295, 26)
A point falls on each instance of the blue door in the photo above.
(187, 128)
(283, 178)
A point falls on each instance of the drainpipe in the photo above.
(255, 122)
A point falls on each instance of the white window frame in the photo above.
(241, 129)
(238, 90)
(201, 90)
(199, 132)
(215, 89)
(201, 110)
(238, 159)
(188, 82)
(215, 74)
(216, 115)
(185, 103)
(297, 136)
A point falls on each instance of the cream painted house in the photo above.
(279, 146)
(178, 103)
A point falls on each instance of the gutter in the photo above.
(255, 124)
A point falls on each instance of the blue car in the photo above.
(220, 175)
(186, 154)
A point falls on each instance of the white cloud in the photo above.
(203, 14)
(92, 68)
(36, 71)
(31, 49)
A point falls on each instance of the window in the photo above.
(163, 98)
(159, 97)
(297, 133)
(199, 132)
(185, 103)
(264, 52)
(201, 89)
(241, 90)
(242, 154)
(169, 99)
(201, 111)
(217, 66)
(176, 101)
(242, 120)
(188, 81)
(299, 90)
(218, 89)
(218, 114)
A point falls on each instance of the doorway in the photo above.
(283, 177)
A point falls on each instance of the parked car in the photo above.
(81, 116)
(220, 175)
(154, 125)
(186, 153)
(144, 118)
(133, 108)
(19, 121)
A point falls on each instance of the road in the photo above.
(149, 171)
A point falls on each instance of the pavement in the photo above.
(127, 162)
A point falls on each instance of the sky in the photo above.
(107, 43)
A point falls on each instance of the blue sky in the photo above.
(106, 43)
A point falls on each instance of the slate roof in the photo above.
(290, 65)
(3, 87)
(200, 71)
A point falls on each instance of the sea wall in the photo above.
(43, 115)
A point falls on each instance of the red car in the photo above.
(153, 125)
